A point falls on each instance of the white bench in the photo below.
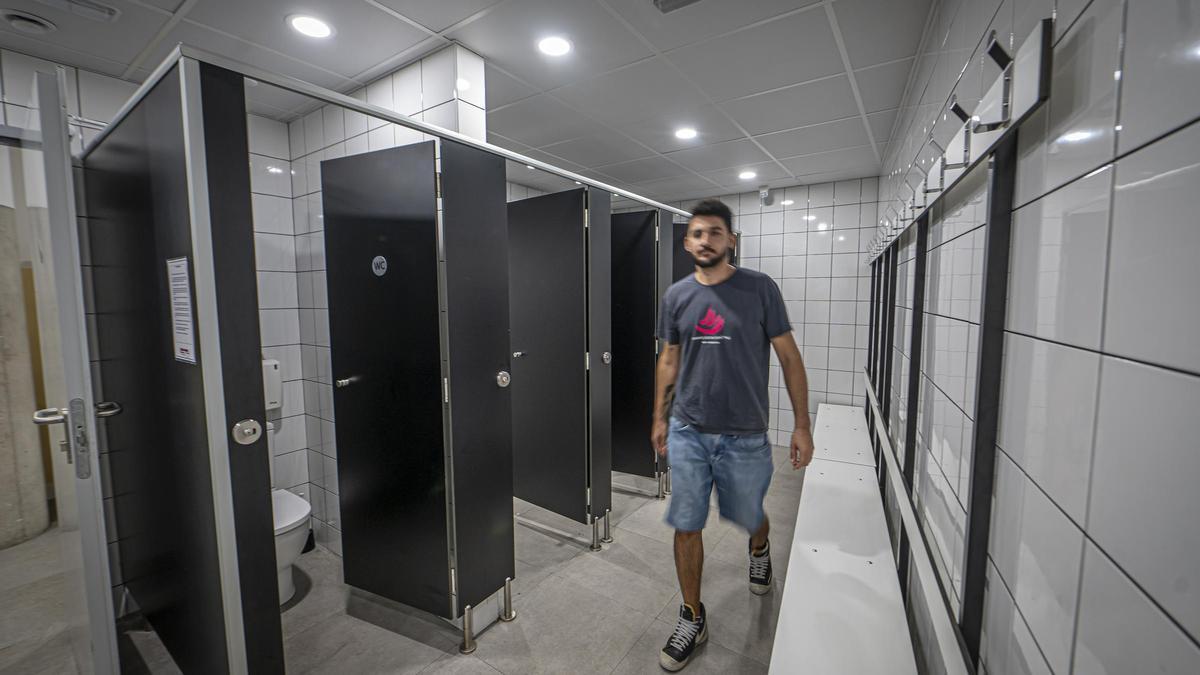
(841, 611)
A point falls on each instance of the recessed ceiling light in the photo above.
(788, 202)
(310, 26)
(554, 46)
(747, 175)
(685, 133)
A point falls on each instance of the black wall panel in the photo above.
(600, 348)
(474, 221)
(634, 299)
(384, 331)
(136, 201)
(548, 310)
(226, 149)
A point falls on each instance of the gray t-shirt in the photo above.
(725, 335)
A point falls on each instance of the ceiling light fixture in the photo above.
(30, 24)
(685, 133)
(788, 202)
(554, 46)
(310, 26)
(747, 175)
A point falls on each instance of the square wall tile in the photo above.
(266, 136)
(1007, 646)
(1120, 629)
(1047, 413)
(1152, 309)
(1056, 269)
(1143, 506)
(1038, 553)
(1160, 83)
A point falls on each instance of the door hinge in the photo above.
(656, 234)
(446, 390)
(437, 182)
(589, 499)
(587, 361)
(453, 582)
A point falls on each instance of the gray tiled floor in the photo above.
(33, 626)
(578, 611)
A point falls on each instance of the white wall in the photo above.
(1094, 558)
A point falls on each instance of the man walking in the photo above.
(711, 409)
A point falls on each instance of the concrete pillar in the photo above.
(23, 509)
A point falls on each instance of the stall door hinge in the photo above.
(587, 361)
(656, 234)
(589, 499)
(437, 183)
(446, 390)
(453, 582)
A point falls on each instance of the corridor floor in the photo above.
(578, 611)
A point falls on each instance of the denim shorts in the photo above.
(741, 467)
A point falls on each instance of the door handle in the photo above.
(345, 381)
(47, 416)
(517, 355)
(503, 379)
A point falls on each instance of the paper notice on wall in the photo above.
(183, 328)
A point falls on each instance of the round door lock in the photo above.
(607, 358)
(503, 379)
(247, 432)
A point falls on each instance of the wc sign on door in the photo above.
(379, 265)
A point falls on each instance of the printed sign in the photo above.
(379, 265)
(182, 325)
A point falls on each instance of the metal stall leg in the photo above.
(468, 643)
(607, 538)
(668, 488)
(595, 533)
(662, 484)
(509, 613)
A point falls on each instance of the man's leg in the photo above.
(758, 540)
(689, 565)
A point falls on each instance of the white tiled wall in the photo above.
(431, 90)
(1095, 543)
(814, 250)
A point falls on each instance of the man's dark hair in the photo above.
(714, 207)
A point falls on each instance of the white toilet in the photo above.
(291, 526)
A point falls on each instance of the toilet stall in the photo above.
(560, 314)
(415, 247)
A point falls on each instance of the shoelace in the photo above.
(685, 632)
(758, 566)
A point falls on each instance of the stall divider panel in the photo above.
(382, 256)
(635, 295)
(600, 406)
(475, 245)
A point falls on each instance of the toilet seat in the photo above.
(290, 510)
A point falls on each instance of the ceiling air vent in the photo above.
(24, 22)
(88, 9)
(667, 6)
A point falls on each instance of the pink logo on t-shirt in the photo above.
(711, 324)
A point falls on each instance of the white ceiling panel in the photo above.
(882, 86)
(881, 124)
(634, 92)
(680, 185)
(508, 35)
(719, 156)
(540, 120)
(699, 21)
(658, 130)
(801, 105)
(439, 15)
(502, 89)
(247, 52)
(116, 42)
(881, 30)
(602, 148)
(165, 5)
(844, 133)
(643, 170)
(767, 171)
(861, 158)
(794, 49)
(364, 35)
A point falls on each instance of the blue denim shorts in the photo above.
(741, 467)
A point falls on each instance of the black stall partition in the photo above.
(418, 316)
(167, 240)
(559, 290)
(636, 289)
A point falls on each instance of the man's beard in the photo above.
(707, 264)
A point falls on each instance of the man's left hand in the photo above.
(802, 448)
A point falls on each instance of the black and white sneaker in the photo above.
(760, 570)
(690, 632)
